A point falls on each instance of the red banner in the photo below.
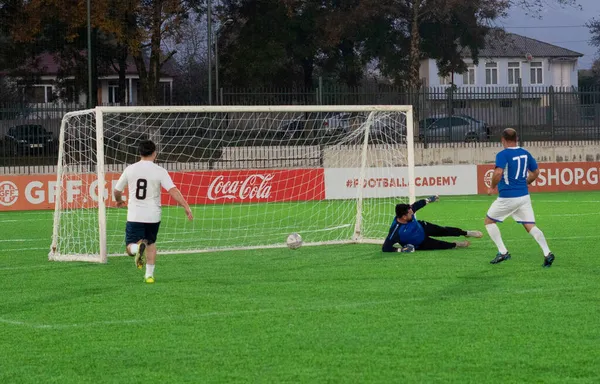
(250, 186)
(33, 192)
(554, 177)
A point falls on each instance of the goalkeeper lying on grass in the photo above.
(408, 234)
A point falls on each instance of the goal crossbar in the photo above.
(255, 108)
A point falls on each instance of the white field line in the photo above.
(26, 249)
(25, 267)
(225, 314)
(20, 240)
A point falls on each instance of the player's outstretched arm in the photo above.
(178, 197)
(423, 202)
(432, 199)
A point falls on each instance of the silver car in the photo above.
(337, 123)
(453, 128)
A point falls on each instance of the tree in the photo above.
(260, 47)
(594, 27)
(442, 30)
(283, 42)
(348, 27)
(535, 7)
(191, 83)
(121, 28)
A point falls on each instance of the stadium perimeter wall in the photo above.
(453, 171)
(476, 153)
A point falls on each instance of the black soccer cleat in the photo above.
(500, 258)
(548, 260)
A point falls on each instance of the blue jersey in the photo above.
(515, 162)
(410, 233)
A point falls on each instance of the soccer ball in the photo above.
(294, 241)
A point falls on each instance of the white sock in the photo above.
(494, 233)
(149, 270)
(133, 248)
(538, 235)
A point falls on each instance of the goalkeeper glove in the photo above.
(432, 199)
(408, 248)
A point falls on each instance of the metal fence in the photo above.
(568, 115)
(538, 113)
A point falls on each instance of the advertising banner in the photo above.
(34, 192)
(250, 186)
(342, 183)
(554, 177)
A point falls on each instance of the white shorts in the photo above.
(519, 208)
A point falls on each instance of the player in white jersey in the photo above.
(144, 180)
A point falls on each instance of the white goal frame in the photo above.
(99, 120)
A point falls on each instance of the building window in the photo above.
(445, 80)
(165, 92)
(491, 73)
(514, 73)
(536, 72)
(469, 76)
(113, 93)
(40, 93)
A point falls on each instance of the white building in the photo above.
(47, 69)
(506, 58)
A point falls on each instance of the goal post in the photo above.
(252, 174)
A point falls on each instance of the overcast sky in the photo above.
(560, 26)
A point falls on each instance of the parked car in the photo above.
(337, 123)
(453, 128)
(390, 124)
(29, 139)
(331, 123)
(291, 128)
(340, 123)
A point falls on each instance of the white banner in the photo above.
(342, 183)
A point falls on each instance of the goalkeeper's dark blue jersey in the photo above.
(404, 234)
(516, 162)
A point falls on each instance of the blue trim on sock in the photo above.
(525, 222)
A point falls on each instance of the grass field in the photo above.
(336, 314)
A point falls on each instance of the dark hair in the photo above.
(509, 134)
(147, 148)
(402, 209)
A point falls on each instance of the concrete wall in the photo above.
(542, 151)
(442, 154)
(377, 156)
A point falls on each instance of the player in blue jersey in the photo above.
(515, 170)
(407, 234)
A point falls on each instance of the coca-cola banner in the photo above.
(36, 192)
(249, 186)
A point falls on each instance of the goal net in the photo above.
(252, 175)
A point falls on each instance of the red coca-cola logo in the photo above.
(255, 186)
